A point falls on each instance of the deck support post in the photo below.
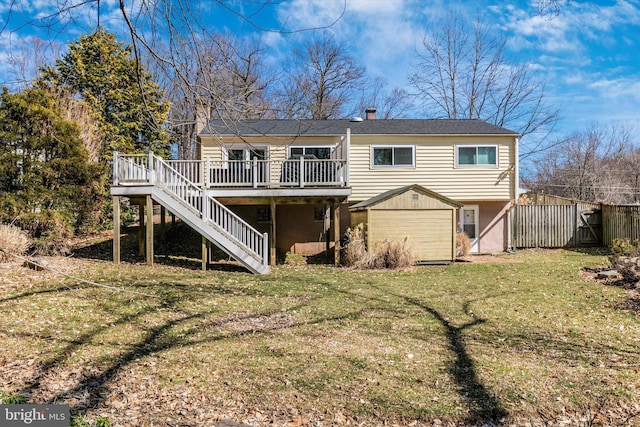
(205, 253)
(116, 229)
(163, 224)
(141, 229)
(149, 231)
(272, 234)
(335, 226)
(327, 229)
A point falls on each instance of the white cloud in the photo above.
(577, 24)
(379, 34)
(625, 88)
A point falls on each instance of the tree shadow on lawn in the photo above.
(483, 406)
(92, 389)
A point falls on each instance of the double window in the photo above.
(242, 157)
(393, 155)
(323, 153)
(245, 153)
(477, 155)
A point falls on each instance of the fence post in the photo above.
(150, 168)
(254, 172)
(576, 215)
(114, 168)
(205, 205)
(207, 167)
(265, 249)
(301, 172)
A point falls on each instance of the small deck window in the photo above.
(241, 158)
(319, 213)
(323, 153)
(393, 156)
(477, 155)
(264, 214)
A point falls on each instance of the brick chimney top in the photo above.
(370, 113)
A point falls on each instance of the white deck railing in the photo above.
(263, 173)
(142, 169)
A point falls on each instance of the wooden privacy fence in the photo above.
(620, 222)
(556, 226)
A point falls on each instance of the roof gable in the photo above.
(435, 200)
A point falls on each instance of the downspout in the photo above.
(516, 174)
(348, 150)
(516, 191)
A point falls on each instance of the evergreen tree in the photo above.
(47, 183)
(128, 104)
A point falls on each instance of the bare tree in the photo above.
(464, 73)
(551, 7)
(599, 164)
(173, 39)
(322, 80)
(392, 104)
(25, 58)
(229, 81)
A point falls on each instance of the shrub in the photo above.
(463, 245)
(396, 254)
(354, 247)
(12, 241)
(623, 247)
(50, 230)
(11, 399)
(80, 421)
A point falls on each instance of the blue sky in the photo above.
(588, 55)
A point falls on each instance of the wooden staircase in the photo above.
(151, 175)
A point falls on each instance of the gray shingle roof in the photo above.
(365, 127)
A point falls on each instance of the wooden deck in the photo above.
(198, 192)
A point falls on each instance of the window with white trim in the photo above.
(244, 153)
(323, 153)
(393, 155)
(239, 155)
(477, 155)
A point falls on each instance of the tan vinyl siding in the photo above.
(434, 168)
(428, 232)
(435, 163)
(412, 200)
(277, 147)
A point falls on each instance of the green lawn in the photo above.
(528, 340)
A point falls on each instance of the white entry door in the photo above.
(470, 220)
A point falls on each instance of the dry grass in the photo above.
(383, 255)
(12, 241)
(466, 344)
(463, 245)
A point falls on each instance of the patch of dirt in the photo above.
(632, 302)
(489, 258)
(252, 322)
